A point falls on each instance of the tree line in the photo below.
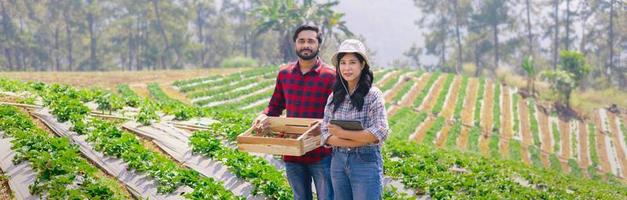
(85, 35)
(495, 33)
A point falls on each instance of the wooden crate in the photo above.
(308, 131)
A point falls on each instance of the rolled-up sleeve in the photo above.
(324, 127)
(377, 114)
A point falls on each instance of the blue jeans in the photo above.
(357, 173)
(300, 175)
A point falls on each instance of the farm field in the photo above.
(177, 135)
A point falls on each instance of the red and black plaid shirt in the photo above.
(304, 96)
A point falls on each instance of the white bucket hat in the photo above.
(351, 46)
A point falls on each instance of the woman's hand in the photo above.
(337, 131)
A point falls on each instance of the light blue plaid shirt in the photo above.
(373, 115)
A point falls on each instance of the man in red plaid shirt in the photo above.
(302, 88)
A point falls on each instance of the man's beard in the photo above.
(311, 55)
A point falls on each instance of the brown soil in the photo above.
(506, 121)
(462, 141)
(387, 78)
(564, 129)
(469, 103)
(525, 129)
(486, 117)
(422, 130)
(451, 100)
(584, 162)
(545, 136)
(5, 190)
(601, 146)
(441, 139)
(111, 79)
(431, 99)
(394, 90)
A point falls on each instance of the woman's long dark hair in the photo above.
(363, 86)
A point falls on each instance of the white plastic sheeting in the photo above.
(175, 142)
(21, 175)
(139, 184)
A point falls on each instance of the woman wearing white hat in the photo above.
(356, 165)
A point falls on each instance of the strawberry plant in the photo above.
(479, 101)
(460, 98)
(61, 173)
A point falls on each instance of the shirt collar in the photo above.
(315, 69)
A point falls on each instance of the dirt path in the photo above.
(506, 121)
(422, 129)
(418, 86)
(451, 100)
(469, 103)
(432, 97)
(600, 142)
(140, 89)
(462, 141)
(387, 78)
(467, 113)
(111, 79)
(443, 136)
(525, 129)
(394, 90)
(487, 117)
(545, 136)
(413, 92)
(172, 93)
(584, 152)
(564, 138)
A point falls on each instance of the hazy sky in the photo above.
(387, 26)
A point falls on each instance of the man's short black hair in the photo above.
(308, 28)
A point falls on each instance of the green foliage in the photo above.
(238, 61)
(479, 102)
(460, 98)
(562, 83)
(451, 142)
(515, 152)
(528, 66)
(266, 179)
(624, 130)
(61, 171)
(535, 130)
(442, 96)
(425, 90)
(405, 87)
(515, 107)
(473, 138)
(389, 84)
(432, 133)
(592, 144)
(556, 137)
(147, 114)
(575, 170)
(534, 151)
(496, 109)
(494, 146)
(555, 163)
(130, 97)
(574, 63)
